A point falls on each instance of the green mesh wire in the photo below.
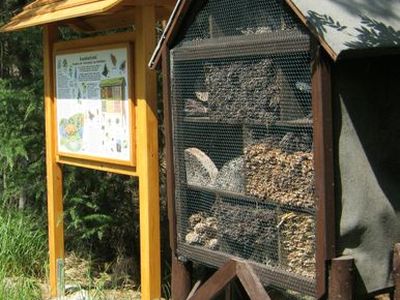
(242, 132)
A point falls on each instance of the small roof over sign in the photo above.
(352, 24)
(42, 12)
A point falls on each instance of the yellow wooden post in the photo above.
(54, 174)
(147, 153)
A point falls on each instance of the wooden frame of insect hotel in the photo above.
(83, 131)
(273, 175)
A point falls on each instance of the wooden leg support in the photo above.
(341, 279)
(396, 271)
(227, 274)
(181, 283)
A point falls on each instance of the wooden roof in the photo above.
(342, 27)
(85, 15)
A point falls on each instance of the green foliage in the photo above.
(23, 244)
(100, 212)
(18, 288)
(23, 255)
(20, 52)
(21, 144)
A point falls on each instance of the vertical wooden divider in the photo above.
(54, 173)
(147, 153)
(396, 271)
(323, 164)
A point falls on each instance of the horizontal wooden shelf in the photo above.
(245, 199)
(268, 275)
(298, 123)
(277, 42)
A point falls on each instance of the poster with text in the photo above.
(93, 114)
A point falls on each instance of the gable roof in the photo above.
(339, 25)
(351, 24)
(42, 12)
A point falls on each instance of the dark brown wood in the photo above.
(217, 282)
(267, 274)
(181, 273)
(341, 279)
(171, 32)
(249, 200)
(194, 289)
(259, 44)
(181, 279)
(228, 292)
(299, 123)
(396, 271)
(169, 148)
(251, 282)
(323, 164)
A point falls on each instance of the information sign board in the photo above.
(94, 106)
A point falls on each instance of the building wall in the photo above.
(367, 140)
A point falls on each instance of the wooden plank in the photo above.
(147, 150)
(396, 271)
(320, 38)
(119, 19)
(39, 3)
(259, 44)
(99, 166)
(170, 31)
(116, 38)
(251, 200)
(79, 24)
(181, 279)
(157, 3)
(341, 279)
(297, 123)
(216, 283)
(268, 275)
(53, 170)
(251, 282)
(323, 165)
(54, 7)
(25, 21)
(181, 272)
(169, 150)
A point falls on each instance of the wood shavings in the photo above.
(297, 243)
(278, 176)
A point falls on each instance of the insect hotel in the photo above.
(282, 145)
(112, 91)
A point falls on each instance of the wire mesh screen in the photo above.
(242, 130)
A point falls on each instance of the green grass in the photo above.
(23, 255)
(18, 288)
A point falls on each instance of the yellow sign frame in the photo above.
(145, 133)
(124, 40)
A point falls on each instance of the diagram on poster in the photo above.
(93, 115)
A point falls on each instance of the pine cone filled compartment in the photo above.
(202, 231)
